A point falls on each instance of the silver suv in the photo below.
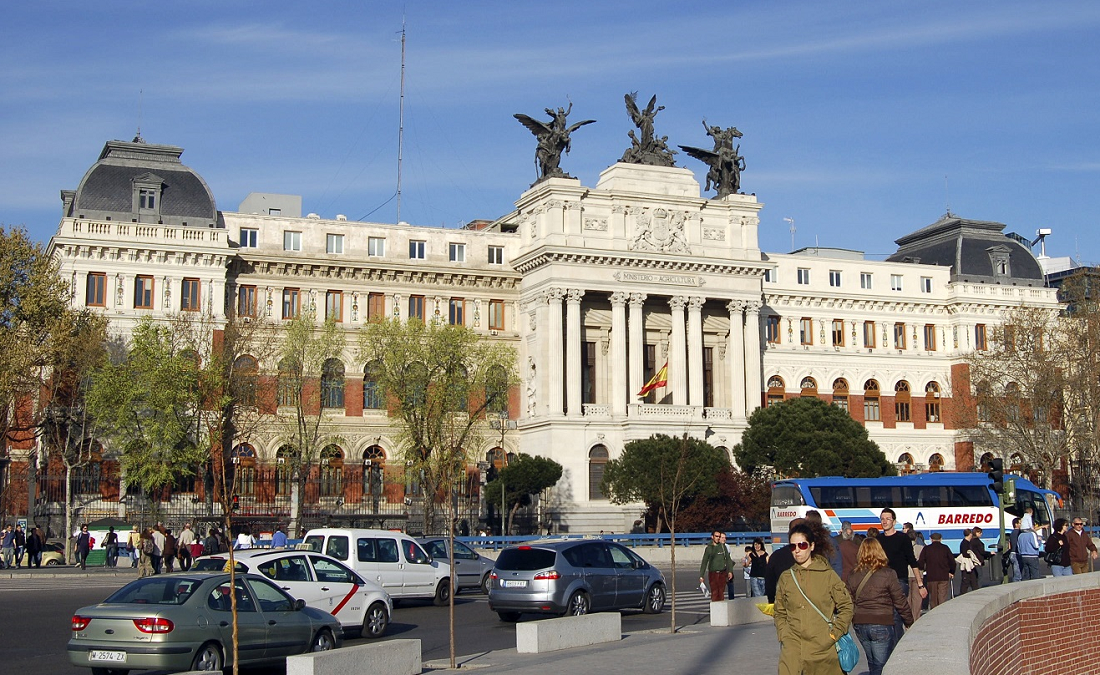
(573, 577)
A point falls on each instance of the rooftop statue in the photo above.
(648, 149)
(553, 138)
(724, 161)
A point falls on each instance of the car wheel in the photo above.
(51, 563)
(509, 617)
(376, 620)
(485, 582)
(442, 593)
(579, 604)
(209, 658)
(323, 641)
(654, 599)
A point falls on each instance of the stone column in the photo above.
(637, 346)
(573, 352)
(677, 357)
(618, 353)
(753, 365)
(735, 354)
(695, 350)
(555, 355)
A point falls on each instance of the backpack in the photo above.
(147, 546)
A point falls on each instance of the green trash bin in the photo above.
(96, 558)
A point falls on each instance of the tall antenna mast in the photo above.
(401, 121)
(946, 196)
(791, 221)
(141, 114)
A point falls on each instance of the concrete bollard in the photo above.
(737, 612)
(549, 635)
(392, 657)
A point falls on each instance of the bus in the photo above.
(942, 502)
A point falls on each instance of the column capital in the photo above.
(677, 302)
(637, 298)
(554, 295)
(619, 298)
(695, 303)
(753, 306)
(574, 295)
(735, 306)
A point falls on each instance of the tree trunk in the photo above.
(68, 513)
(295, 506)
(511, 518)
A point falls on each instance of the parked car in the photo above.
(323, 582)
(573, 577)
(179, 622)
(472, 569)
(393, 560)
(53, 553)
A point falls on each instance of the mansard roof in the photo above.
(976, 251)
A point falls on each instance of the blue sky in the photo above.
(862, 121)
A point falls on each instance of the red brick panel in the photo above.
(1051, 635)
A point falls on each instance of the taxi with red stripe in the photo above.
(320, 580)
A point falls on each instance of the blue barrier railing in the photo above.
(628, 540)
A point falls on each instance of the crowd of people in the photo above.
(17, 544)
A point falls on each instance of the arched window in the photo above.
(905, 464)
(902, 409)
(871, 412)
(243, 385)
(287, 394)
(244, 468)
(1012, 402)
(284, 457)
(332, 384)
(935, 462)
(983, 394)
(986, 462)
(597, 461)
(456, 397)
(932, 402)
(776, 388)
(373, 396)
(332, 471)
(840, 393)
(808, 387)
(374, 461)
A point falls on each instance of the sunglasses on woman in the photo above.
(801, 546)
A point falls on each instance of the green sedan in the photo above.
(185, 622)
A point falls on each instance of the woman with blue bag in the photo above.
(877, 593)
(813, 610)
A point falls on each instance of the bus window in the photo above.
(832, 497)
(1026, 498)
(883, 496)
(923, 496)
(787, 495)
(970, 495)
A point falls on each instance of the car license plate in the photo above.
(508, 583)
(111, 657)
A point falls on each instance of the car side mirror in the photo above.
(299, 605)
(477, 556)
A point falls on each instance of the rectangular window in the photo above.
(376, 306)
(96, 294)
(416, 307)
(456, 312)
(806, 331)
(803, 276)
(838, 332)
(899, 335)
(334, 243)
(926, 284)
(496, 255)
(834, 278)
(979, 337)
(246, 301)
(895, 282)
(376, 247)
(189, 296)
(274, 212)
(588, 372)
(708, 376)
(292, 241)
(416, 250)
(456, 252)
(932, 410)
(143, 292)
(871, 410)
(865, 280)
(771, 330)
(902, 411)
(147, 199)
(249, 237)
(334, 305)
(869, 334)
(649, 368)
(930, 337)
(292, 303)
(496, 315)
(769, 276)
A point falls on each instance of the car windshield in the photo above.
(215, 565)
(526, 559)
(166, 590)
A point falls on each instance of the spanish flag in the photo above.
(659, 379)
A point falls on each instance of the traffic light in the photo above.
(997, 475)
(1009, 496)
(236, 504)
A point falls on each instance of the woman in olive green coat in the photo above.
(807, 643)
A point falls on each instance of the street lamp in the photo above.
(503, 415)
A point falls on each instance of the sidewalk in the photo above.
(748, 650)
(69, 571)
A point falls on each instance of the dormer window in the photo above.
(1000, 258)
(147, 193)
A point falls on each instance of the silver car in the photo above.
(472, 569)
(573, 577)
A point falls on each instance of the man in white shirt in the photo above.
(158, 548)
(183, 545)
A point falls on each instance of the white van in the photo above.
(393, 560)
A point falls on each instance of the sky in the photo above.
(862, 121)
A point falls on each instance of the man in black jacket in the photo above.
(781, 560)
(938, 563)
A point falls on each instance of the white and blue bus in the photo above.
(940, 502)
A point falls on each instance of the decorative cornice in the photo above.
(544, 257)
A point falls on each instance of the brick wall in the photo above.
(1048, 635)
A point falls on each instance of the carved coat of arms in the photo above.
(660, 230)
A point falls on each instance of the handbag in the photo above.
(1053, 557)
(846, 650)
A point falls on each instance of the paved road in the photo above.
(35, 614)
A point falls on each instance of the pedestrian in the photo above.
(36, 543)
(245, 540)
(110, 542)
(20, 545)
(716, 568)
(731, 585)
(133, 546)
(1027, 522)
(899, 552)
(849, 549)
(7, 547)
(83, 546)
(1081, 547)
(145, 548)
(157, 557)
(183, 547)
(1056, 549)
(877, 595)
(938, 564)
(916, 576)
(169, 553)
(278, 540)
(970, 559)
(758, 565)
(1013, 549)
(781, 560)
(212, 544)
(807, 593)
(1028, 551)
